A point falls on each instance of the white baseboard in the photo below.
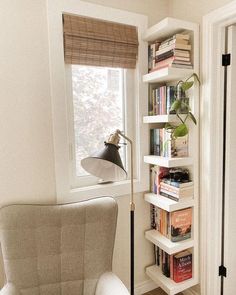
(190, 292)
(144, 287)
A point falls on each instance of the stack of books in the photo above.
(173, 183)
(173, 52)
(175, 225)
(161, 144)
(178, 266)
(152, 49)
(174, 192)
(161, 100)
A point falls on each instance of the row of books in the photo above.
(175, 225)
(161, 100)
(161, 144)
(174, 52)
(177, 267)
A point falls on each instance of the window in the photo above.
(98, 109)
(134, 103)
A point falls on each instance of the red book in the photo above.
(182, 266)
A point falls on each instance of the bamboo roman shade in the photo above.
(90, 41)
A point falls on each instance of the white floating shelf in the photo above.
(167, 74)
(168, 285)
(168, 27)
(168, 204)
(160, 119)
(168, 162)
(165, 244)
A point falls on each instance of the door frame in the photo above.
(213, 46)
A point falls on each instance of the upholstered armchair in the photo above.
(60, 249)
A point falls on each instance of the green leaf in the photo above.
(187, 85)
(180, 131)
(176, 105)
(193, 118)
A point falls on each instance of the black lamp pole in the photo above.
(132, 209)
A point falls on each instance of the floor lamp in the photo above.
(108, 166)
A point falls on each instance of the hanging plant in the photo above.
(181, 107)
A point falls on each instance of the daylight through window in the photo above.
(98, 106)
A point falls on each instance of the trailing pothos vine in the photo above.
(180, 104)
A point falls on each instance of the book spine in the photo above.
(177, 184)
(170, 193)
(174, 47)
(158, 101)
(171, 266)
(164, 100)
(177, 190)
(169, 196)
(153, 102)
(153, 216)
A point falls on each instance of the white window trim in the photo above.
(59, 102)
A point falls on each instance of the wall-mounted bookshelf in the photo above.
(166, 75)
(168, 204)
(160, 119)
(168, 285)
(169, 76)
(165, 244)
(168, 162)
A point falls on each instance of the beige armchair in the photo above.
(60, 249)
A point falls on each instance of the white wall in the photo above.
(155, 9)
(193, 10)
(26, 155)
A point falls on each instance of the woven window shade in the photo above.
(90, 41)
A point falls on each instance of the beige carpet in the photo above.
(158, 292)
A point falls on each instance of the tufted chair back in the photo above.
(58, 249)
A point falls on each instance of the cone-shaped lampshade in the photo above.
(106, 165)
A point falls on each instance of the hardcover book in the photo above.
(182, 266)
(181, 223)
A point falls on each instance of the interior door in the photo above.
(229, 284)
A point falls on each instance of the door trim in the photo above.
(213, 46)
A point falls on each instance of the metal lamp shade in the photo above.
(106, 165)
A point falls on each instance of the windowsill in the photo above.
(116, 189)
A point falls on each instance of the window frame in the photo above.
(60, 118)
(127, 83)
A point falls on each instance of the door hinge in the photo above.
(226, 59)
(222, 271)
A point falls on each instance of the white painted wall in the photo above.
(26, 155)
(26, 150)
(155, 9)
(193, 10)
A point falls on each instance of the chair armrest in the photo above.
(9, 289)
(109, 284)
